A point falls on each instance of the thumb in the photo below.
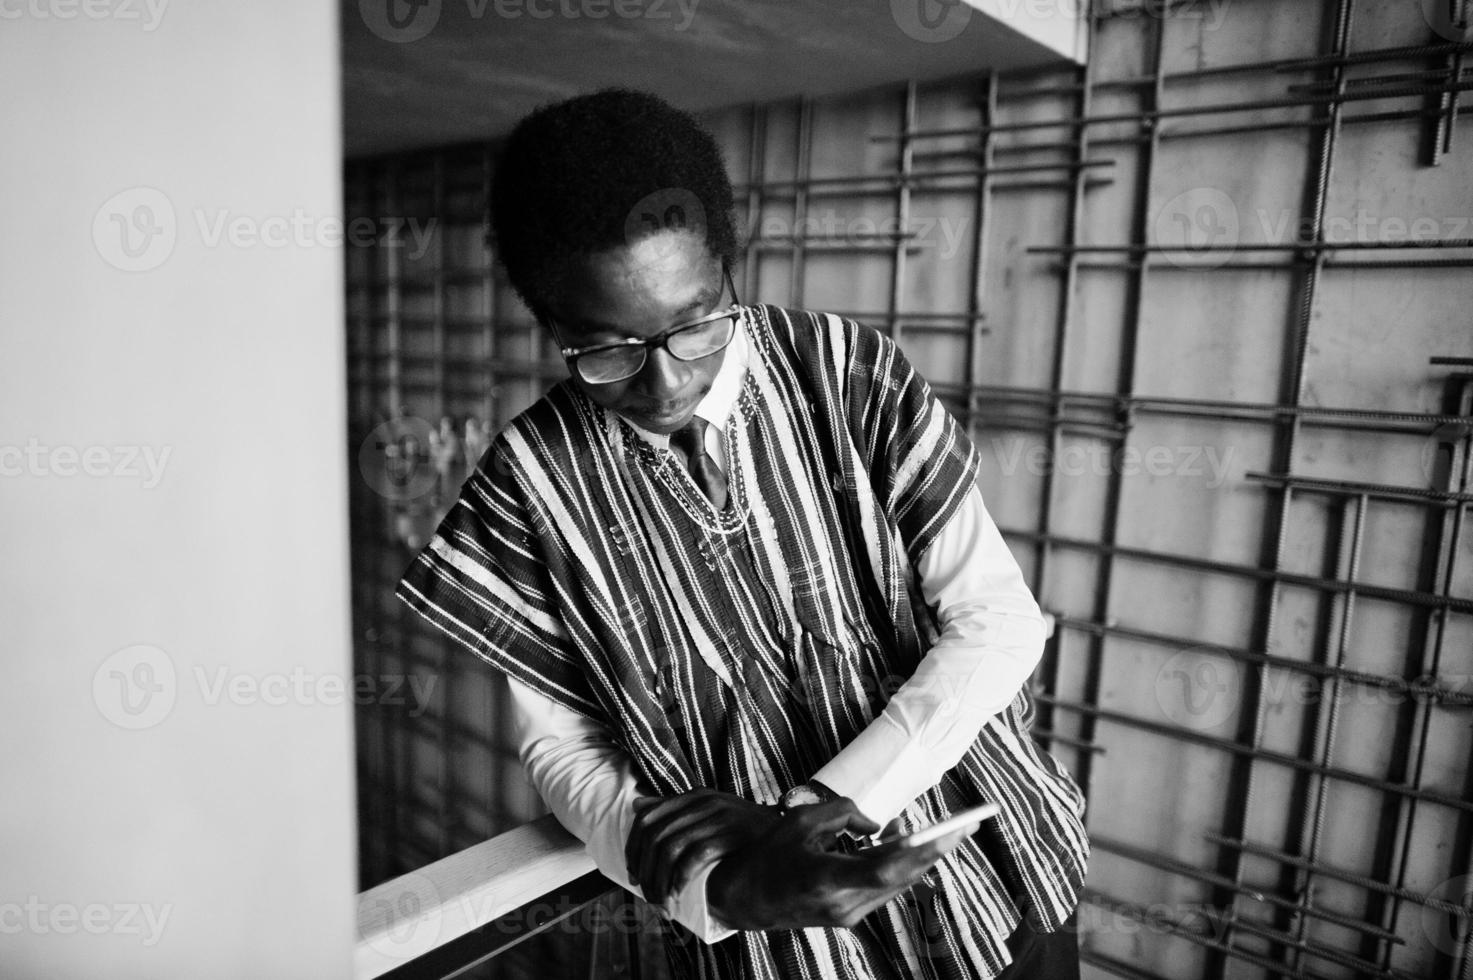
(828, 819)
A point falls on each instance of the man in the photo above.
(747, 596)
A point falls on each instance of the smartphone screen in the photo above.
(956, 822)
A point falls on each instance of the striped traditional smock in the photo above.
(742, 650)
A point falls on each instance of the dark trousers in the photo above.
(1044, 955)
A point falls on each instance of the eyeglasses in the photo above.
(690, 341)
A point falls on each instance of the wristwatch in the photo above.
(806, 794)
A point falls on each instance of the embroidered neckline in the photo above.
(663, 466)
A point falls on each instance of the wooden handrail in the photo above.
(415, 913)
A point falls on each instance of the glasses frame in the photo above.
(659, 341)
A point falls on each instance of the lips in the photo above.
(664, 414)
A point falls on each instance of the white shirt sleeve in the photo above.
(991, 641)
(992, 635)
(589, 783)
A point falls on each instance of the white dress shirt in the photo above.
(991, 641)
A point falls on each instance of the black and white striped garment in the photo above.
(743, 650)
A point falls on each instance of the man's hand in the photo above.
(672, 838)
(792, 879)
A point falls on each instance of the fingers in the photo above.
(854, 885)
(649, 811)
(695, 854)
(849, 918)
(651, 814)
(667, 842)
(900, 854)
(671, 838)
(634, 846)
(823, 820)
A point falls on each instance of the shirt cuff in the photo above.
(882, 771)
(690, 906)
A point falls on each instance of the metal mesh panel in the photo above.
(1204, 307)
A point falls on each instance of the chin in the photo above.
(664, 423)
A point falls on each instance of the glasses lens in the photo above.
(615, 364)
(702, 340)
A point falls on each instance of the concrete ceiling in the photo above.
(420, 73)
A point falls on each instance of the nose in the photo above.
(662, 376)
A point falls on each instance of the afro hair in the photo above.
(597, 172)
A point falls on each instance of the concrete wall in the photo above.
(1122, 406)
(177, 766)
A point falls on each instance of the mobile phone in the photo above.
(937, 830)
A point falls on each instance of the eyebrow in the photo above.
(592, 328)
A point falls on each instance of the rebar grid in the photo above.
(386, 373)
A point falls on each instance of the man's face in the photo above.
(641, 290)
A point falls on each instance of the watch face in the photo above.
(800, 796)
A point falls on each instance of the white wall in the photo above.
(172, 494)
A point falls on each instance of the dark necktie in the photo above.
(691, 441)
